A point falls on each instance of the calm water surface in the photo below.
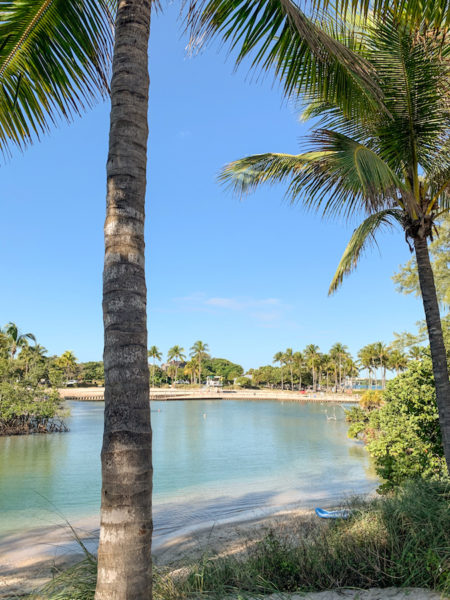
(213, 460)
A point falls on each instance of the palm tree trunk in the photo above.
(437, 347)
(292, 380)
(124, 555)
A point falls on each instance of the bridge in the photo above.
(165, 394)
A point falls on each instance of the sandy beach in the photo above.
(28, 560)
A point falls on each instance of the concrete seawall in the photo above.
(97, 394)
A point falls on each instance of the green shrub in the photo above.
(403, 436)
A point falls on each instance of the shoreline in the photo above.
(215, 539)
(96, 394)
(28, 560)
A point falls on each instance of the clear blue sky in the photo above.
(249, 278)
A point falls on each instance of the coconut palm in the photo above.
(124, 554)
(176, 355)
(313, 357)
(339, 353)
(155, 354)
(199, 351)
(392, 163)
(54, 62)
(299, 362)
(279, 358)
(288, 359)
(16, 339)
(398, 361)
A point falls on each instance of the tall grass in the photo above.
(401, 540)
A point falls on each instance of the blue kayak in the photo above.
(332, 514)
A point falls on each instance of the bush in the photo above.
(24, 409)
(403, 436)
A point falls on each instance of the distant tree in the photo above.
(176, 354)
(398, 361)
(67, 362)
(199, 352)
(224, 368)
(15, 338)
(338, 353)
(299, 361)
(244, 382)
(279, 358)
(92, 371)
(155, 354)
(313, 357)
(407, 278)
(288, 359)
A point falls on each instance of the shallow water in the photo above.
(213, 460)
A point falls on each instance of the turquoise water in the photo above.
(213, 460)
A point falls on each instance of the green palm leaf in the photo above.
(308, 56)
(363, 236)
(340, 176)
(54, 61)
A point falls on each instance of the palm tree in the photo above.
(124, 554)
(54, 62)
(176, 355)
(198, 352)
(68, 363)
(339, 353)
(191, 369)
(15, 338)
(391, 162)
(299, 361)
(365, 357)
(397, 361)
(155, 354)
(288, 359)
(382, 356)
(313, 357)
(279, 358)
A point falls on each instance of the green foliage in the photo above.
(407, 278)
(223, 368)
(92, 372)
(371, 399)
(54, 61)
(403, 435)
(29, 410)
(244, 382)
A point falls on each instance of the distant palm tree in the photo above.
(155, 354)
(397, 361)
(382, 356)
(299, 362)
(16, 339)
(279, 358)
(339, 353)
(313, 357)
(199, 351)
(68, 363)
(288, 358)
(176, 354)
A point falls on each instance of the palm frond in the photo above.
(414, 73)
(306, 55)
(246, 174)
(435, 13)
(339, 176)
(362, 237)
(54, 62)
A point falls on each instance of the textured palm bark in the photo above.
(437, 347)
(124, 556)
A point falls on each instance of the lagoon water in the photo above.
(213, 461)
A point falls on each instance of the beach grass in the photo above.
(402, 540)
